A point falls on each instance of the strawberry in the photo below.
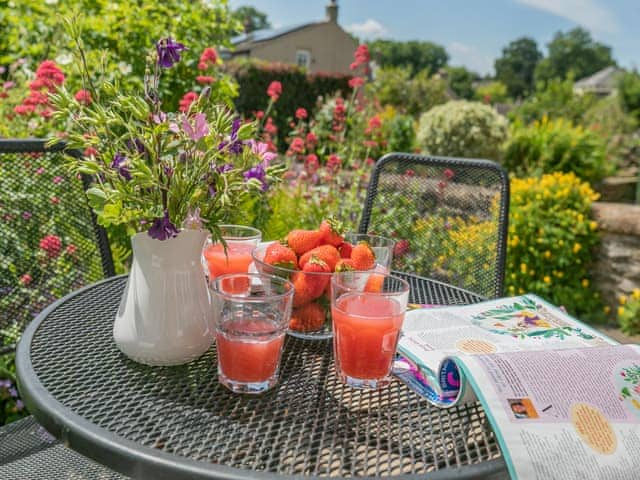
(374, 283)
(280, 256)
(363, 256)
(328, 253)
(344, 265)
(332, 231)
(345, 250)
(301, 241)
(307, 318)
(308, 286)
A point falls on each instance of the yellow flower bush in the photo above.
(550, 243)
(629, 312)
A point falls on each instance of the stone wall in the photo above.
(616, 268)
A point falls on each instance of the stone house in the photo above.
(321, 46)
(602, 83)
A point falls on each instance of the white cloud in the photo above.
(470, 57)
(369, 29)
(587, 13)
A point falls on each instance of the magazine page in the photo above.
(563, 414)
(523, 323)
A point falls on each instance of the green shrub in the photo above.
(493, 92)
(629, 89)
(629, 313)
(462, 129)
(409, 94)
(399, 132)
(554, 99)
(548, 146)
(116, 34)
(299, 89)
(551, 241)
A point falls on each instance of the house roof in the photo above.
(604, 80)
(269, 33)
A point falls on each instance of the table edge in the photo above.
(140, 461)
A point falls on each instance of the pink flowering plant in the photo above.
(160, 171)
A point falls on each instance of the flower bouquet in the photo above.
(171, 179)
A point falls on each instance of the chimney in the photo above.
(332, 11)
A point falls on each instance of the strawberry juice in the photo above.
(366, 329)
(249, 349)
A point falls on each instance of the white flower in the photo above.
(51, 2)
(64, 58)
(33, 124)
(125, 68)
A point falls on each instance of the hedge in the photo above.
(300, 89)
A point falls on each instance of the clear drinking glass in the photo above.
(240, 240)
(381, 246)
(251, 313)
(366, 326)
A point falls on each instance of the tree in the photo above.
(515, 68)
(251, 18)
(414, 55)
(573, 52)
(629, 89)
(461, 81)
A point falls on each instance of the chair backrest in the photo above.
(50, 243)
(448, 215)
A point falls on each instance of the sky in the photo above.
(474, 32)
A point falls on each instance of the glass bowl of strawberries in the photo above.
(308, 259)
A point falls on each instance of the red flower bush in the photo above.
(48, 78)
(361, 55)
(52, 245)
(209, 58)
(83, 96)
(187, 100)
(296, 146)
(334, 163)
(275, 90)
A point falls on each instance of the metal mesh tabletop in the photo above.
(178, 422)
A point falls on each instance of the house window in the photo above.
(303, 58)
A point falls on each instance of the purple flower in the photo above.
(261, 149)
(27, 215)
(159, 117)
(193, 220)
(259, 174)
(162, 228)
(5, 383)
(19, 405)
(13, 392)
(224, 168)
(136, 145)
(168, 52)
(212, 190)
(118, 160)
(233, 145)
(168, 171)
(199, 129)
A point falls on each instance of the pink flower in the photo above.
(409, 173)
(270, 127)
(55, 200)
(261, 149)
(57, 179)
(356, 82)
(361, 56)
(400, 248)
(334, 162)
(311, 163)
(301, 114)
(375, 122)
(84, 97)
(90, 151)
(259, 114)
(208, 58)
(187, 100)
(25, 279)
(40, 171)
(275, 90)
(71, 249)
(199, 129)
(52, 245)
(312, 139)
(448, 173)
(296, 146)
(205, 80)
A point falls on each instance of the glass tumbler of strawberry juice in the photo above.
(366, 327)
(241, 241)
(250, 326)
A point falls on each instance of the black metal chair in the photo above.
(448, 215)
(51, 245)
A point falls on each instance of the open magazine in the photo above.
(562, 398)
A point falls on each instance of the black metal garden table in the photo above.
(179, 423)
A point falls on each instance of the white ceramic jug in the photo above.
(165, 315)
